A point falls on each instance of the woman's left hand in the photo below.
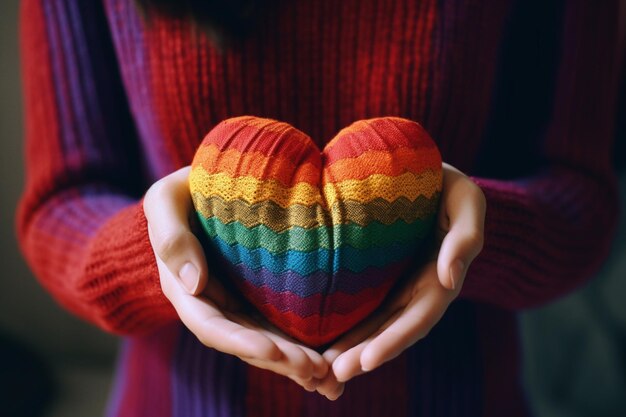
(414, 308)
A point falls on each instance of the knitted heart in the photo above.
(313, 239)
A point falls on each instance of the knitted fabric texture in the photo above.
(517, 95)
(315, 240)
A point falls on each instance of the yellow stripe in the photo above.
(407, 185)
(253, 190)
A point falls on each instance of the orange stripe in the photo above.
(392, 164)
(256, 164)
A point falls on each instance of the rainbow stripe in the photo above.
(313, 239)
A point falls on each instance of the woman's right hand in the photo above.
(203, 304)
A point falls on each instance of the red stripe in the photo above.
(267, 149)
(268, 137)
(318, 329)
(272, 395)
(316, 304)
(42, 124)
(380, 134)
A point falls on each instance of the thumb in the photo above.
(167, 205)
(465, 207)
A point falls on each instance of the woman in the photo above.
(517, 94)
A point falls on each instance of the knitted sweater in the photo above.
(518, 94)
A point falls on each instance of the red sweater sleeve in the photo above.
(80, 220)
(548, 233)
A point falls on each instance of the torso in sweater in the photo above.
(319, 65)
(517, 90)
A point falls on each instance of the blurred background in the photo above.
(575, 349)
(75, 363)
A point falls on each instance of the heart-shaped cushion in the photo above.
(315, 240)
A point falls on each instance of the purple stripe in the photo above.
(119, 382)
(82, 110)
(83, 94)
(344, 281)
(84, 209)
(205, 382)
(74, 105)
(66, 136)
(96, 69)
(132, 51)
(100, 202)
(306, 307)
(94, 125)
(142, 383)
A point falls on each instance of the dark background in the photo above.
(575, 349)
(78, 358)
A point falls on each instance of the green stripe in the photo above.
(301, 239)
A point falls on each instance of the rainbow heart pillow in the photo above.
(315, 240)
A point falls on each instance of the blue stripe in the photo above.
(306, 263)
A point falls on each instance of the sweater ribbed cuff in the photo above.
(121, 279)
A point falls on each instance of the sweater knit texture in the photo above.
(519, 94)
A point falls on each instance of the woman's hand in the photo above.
(413, 309)
(202, 303)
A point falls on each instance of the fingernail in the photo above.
(189, 275)
(335, 395)
(456, 272)
(340, 392)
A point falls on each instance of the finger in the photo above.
(330, 388)
(344, 355)
(216, 331)
(311, 366)
(412, 324)
(367, 327)
(319, 364)
(310, 385)
(212, 328)
(338, 392)
(348, 364)
(295, 361)
(167, 205)
(279, 368)
(464, 207)
(285, 367)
